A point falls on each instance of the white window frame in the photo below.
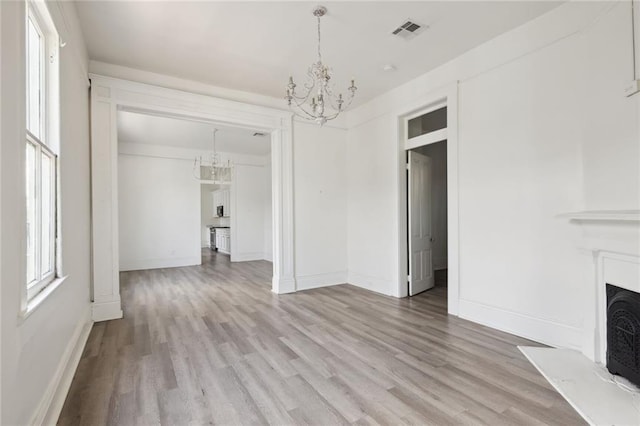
(47, 144)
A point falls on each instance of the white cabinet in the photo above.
(222, 197)
(223, 240)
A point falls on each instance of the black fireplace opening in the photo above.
(623, 333)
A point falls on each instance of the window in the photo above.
(427, 123)
(41, 149)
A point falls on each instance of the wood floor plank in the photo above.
(212, 344)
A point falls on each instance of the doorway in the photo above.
(110, 95)
(427, 217)
(415, 131)
(183, 181)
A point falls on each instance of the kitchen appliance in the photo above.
(220, 211)
(212, 239)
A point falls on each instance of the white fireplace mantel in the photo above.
(604, 215)
(611, 240)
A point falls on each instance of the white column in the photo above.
(282, 196)
(104, 208)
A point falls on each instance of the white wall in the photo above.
(544, 129)
(438, 154)
(159, 213)
(157, 191)
(36, 349)
(247, 215)
(611, 132)
(206, 213)
(320, 203)
(268, 214)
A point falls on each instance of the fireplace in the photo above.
(623, 332)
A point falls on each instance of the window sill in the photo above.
(37, 300)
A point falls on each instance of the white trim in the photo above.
(20, 244)
(422, 111)
(307, 282)
(426, 139)
(107, 310)
(604, 215)
(284, 285)
(246, 257)
(51, 404)
(37, 300)
(371, 283)
(439, 263)
(159, 263)
(548, 332)
(107, 96)
(175, 153)
(447, 96)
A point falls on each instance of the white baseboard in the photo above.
(307, 282)
(246, 257)
(105, 311)
(440, 263)
(283, 285)
(267, 256)
(375, 284)
(142, 264)
(51, 403)
(539, 330)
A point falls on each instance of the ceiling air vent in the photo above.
(408, 29)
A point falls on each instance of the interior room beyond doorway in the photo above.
(427, 210)
(172, 193)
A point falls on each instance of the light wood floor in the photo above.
(212, 345)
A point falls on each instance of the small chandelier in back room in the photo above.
(213, 169)
(318, 102)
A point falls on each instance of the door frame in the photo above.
(446, 96)
(108, 95)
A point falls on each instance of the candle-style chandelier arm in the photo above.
(302, 108)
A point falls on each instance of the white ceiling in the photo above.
(146, 129)
(255, 46)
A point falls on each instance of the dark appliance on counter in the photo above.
(212, 239)
(220, 211)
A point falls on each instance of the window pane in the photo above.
(31, 212)
(34, 79)
(427, 123)
(47, 213)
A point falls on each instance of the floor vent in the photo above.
(408, 29)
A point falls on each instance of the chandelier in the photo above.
(213, 169)
(318, 101)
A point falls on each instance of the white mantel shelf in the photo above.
(604, 215)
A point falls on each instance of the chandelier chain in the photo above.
(319, 54)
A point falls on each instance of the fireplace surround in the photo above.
(610, 245)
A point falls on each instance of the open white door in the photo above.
(420, 251)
